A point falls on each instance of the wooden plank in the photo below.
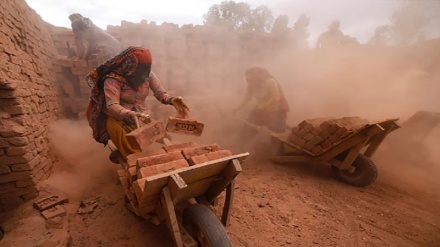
(351, 156)
(192, 190)
(176, 185)
(229, 201)
(154, 184)
(197, 188)
(350, 142)
(187, 240)
(378, 139)
(230, 172)
(208, 169)
(170, 217)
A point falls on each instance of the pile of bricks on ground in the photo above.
(50, 206)
(320, 134)
(168, 159)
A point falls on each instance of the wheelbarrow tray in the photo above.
(370, 135)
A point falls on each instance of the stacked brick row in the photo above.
(169, 158)
(71, 79)
(318, 135)
(28, 103)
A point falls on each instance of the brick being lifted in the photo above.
(320, 134)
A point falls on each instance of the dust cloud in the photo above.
(370, 81)
(84, 164)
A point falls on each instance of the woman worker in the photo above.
(119, 89)
(271, 106)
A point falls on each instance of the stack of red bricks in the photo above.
(71, 78)
(50, 206)
(320, 134)
(165, 160)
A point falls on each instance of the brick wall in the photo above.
(28, 102)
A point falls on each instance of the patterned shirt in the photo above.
(121, 98)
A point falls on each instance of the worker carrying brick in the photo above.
(119, 89)
(271, 106)
(92, 40)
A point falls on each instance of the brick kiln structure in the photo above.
(28, 102)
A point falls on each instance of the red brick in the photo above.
(15, 176)
(189, 152)
(146, 135)
(159, 159)
(53, 212)
(179, 146)
(334, 139)
(132, 158)
(21, 167)
(308, 137)
(324, 134)
(18, 140)
(184, 126)
(317, 149)
(296, 140)
(161, 168)
(326, 144)
(14, 151)
(4, 169)
(313, 142)
(199, 159)
(49, 201)
(24, 183)
(15, 110)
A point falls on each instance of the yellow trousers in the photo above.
(118, 130)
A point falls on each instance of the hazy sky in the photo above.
(358, 18)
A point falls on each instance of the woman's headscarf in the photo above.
(120, 67)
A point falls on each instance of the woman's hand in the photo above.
(135, 116)
(181, 107)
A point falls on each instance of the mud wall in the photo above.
(28, 102)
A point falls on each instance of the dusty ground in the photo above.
(276, 205)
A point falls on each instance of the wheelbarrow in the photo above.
(178, 183)
(349, 152)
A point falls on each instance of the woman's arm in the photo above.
(112, 91)
(159, 92)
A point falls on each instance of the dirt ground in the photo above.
(275, 205)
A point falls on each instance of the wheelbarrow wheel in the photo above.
(204, 226)
(365, 172)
